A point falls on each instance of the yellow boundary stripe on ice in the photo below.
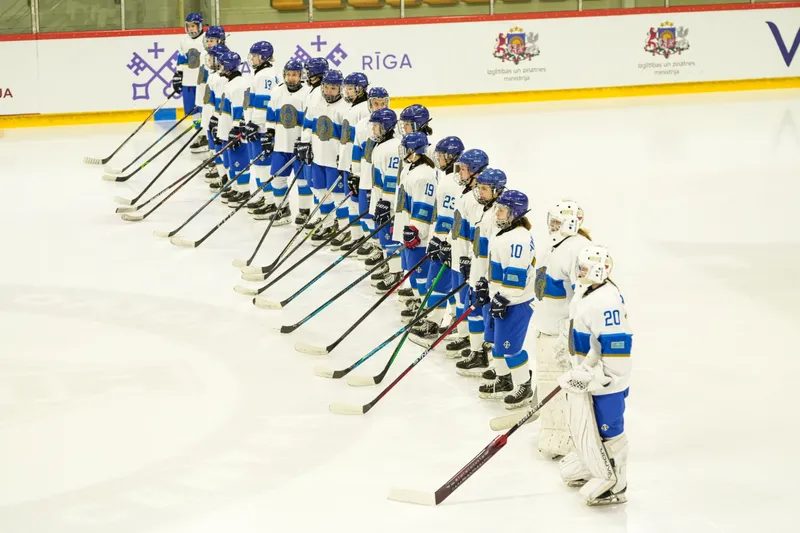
(70, 119)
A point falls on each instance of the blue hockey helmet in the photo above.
(471, 163)
(316, 67)
(214, 52)
(261, 51)
(413, 143)
(214, 32)
(495, 179)
(332, 85)
(293, 65)
(384, 120)
(414, 118)
(358, 82)
(194, 18)
(229, 62)
(516, 203)
(447, 151)
(377, 93)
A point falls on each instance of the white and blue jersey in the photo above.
(447, 191)
(362, 166)
(190, 59)
(416, 207)
(555, 283)
(600, 330)
(232, 106)
(385, 161)
(285, 114)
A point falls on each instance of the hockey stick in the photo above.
(497, 444)
(346, 409)
(336, 374)
(177, 241)
(310, 349)
(268, 304)
(116, 175)
(281, 260)
(129, 203)
(177, 184)
(97, 161)
(214, 197)
(245, 265)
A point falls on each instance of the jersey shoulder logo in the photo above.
(288, 116)
(540, 284)
(207, 95)
(324, 128)
(346, 138)
(368, 149)
(246, 103)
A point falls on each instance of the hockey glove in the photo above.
(445, 255)
(303, 152)
(268, 142)
(584, 379)
(481, 292)
(464, 266)
(411, 237)
(499, 306)
(235, 137)
(352, 183)
(213, 124)
(177, 82)
(251, 132)
(383, 213)
(433, 247)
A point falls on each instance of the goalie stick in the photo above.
(347, 409)
(214, 197)
(97, 161)
(267, 304)
(336, 374)
(497, 444)
(238, 263)
(176, 185)
(177, 241)
(116, 176)
(311, 349)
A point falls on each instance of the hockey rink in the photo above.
(140, 394)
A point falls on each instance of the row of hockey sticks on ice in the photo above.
(497, 444)
(347, 409)
(216, 195)
(97, 161)
(337, 374)
(248, 269)
(174, 186)
(263, 277)
(311, 349)
(272, 221)
(131, 201)
(268, 304)
(315, 312)
(178, 241)
(116, 175)
(114, 170)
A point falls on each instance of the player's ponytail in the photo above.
(525, 223)
(585, 233)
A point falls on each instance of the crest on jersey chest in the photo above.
(193, 58)
(324, 128)
(288, 116)
(368, 150)
(540, 283)
(346, 138)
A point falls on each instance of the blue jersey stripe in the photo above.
(616, 344)
(554, 288)
(581, 342)
(515, 277)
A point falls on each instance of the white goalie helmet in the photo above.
(594, 265)
(564, 220)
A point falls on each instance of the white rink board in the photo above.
(100, 74)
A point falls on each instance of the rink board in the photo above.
(462, 60)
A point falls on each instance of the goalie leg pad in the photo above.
(554, 438)
(572, 470)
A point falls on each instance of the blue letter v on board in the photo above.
(788, 55)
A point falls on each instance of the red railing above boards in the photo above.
(403, 21)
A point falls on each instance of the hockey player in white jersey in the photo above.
(262, 82)
(385, 165)
(315, 69)
(211, 113)
(467, 214)
(555, 279)
(512, 257)
(489, 184)
(355, 89)
(232, 112)
(597, 385)
(214, 36)
(322, 131)
(184, 81)
(360, 179)
(286, 115)
(446, 153)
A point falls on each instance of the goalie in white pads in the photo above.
(597, 386)
(555, 280)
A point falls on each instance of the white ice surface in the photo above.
(140, 394)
